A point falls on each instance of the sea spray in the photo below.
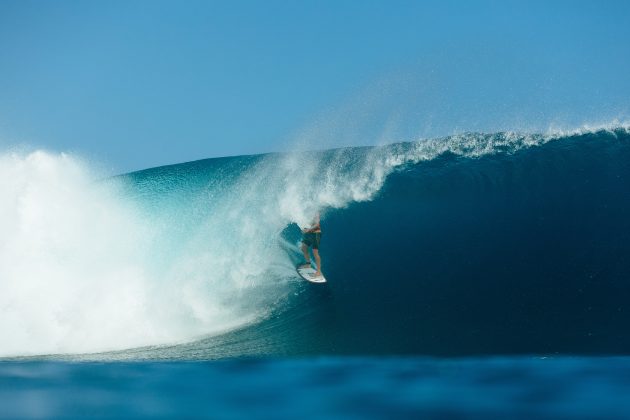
(83, 269)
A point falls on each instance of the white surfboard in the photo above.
(307, 274)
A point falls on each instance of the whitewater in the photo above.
(187, 252)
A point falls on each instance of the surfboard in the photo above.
(306, 274)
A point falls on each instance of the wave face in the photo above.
(471, 244)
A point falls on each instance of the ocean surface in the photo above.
(468, 276)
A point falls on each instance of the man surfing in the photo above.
(310, 239)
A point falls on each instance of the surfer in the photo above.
(310, 239)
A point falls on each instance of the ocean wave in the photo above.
(189, 251)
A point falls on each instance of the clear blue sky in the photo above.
(136, 84)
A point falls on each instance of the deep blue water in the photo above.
(470, 276)
(524, 387)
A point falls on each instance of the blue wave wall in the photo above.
(522, 250)
(507, 253)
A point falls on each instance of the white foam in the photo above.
(80, 267)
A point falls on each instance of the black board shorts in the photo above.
(312, 239)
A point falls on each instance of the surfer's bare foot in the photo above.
(315, 275)
(305, 265)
